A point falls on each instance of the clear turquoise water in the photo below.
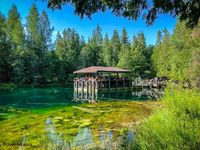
(28, 97)
(43, 99)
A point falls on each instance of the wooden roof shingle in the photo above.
(96, 69)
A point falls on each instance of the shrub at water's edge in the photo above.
(7, 86)
(176, 126)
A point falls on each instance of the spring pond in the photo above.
(49, 118)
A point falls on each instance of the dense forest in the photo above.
(29, 56)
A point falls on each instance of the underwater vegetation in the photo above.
(64, 126)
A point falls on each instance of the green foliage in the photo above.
(107, 52)
(16, 36)
(176, 56)
(187, 10)
(115, 47)
(32, 59)
(136, 57)
(33, 25)
(161, 55)
(176, 125)
(5, 52)
(68, 47)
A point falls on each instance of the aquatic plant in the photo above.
(58, 127)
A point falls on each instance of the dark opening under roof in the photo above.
(96, 69)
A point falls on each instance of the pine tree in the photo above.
(96, 47)
(36, 50)
(68, 49)
(124, 54)
(46, 38)
(159, 38)
(115, 45)
(46, 30)
(16, 36)
(138, 61)
(107, 51)
(5, 52)
(124, 37)
(33, 26)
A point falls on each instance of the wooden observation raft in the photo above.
(91, 80)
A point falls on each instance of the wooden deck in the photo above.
(89, 89)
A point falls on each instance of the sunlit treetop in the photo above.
(186, 10)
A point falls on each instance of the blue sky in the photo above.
(61, 19)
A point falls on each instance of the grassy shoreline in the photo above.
(176, 125)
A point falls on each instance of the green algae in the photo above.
(66, 121)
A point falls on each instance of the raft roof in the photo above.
(96, 69)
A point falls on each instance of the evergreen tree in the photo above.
(68, 48)
(46, 38)
(124, 37)
(115, 46)
(95, 47)
(138, 61)
(61, 47)
(82, 56)
(5, 52)
(16, 36)
(46, 30)
(107, 51)
(36, 49)
(125, 49)
(176, 57)
(86, 55)
(159, 38)
(161, 56)
(33, 26)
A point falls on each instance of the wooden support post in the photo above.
(109, 84)
(74, 89)
(100, 85)
(116, 84)
(94, 87)
(129, 84)
(123, 84)
(83, 86)
(86, 94)
(96, 90)
(117, 81)
(91, 88)
(77, 88)
(81, 89)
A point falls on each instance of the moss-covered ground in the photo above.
(30, 129)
